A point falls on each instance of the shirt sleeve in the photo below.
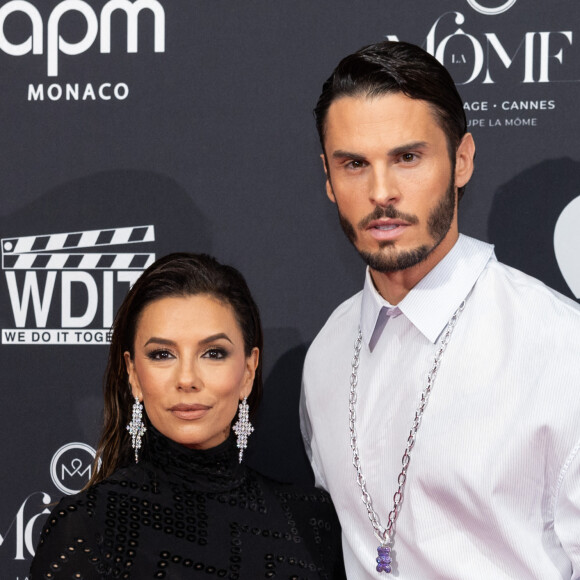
(309, 438)
(305, 425)
(567, 511)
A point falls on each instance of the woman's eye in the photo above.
(215, 353)
(159, 355)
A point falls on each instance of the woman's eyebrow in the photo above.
(215, 337)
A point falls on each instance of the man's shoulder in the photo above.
(341, 325)
(345, 314)
(528, 292)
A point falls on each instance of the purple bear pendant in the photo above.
(384, 559)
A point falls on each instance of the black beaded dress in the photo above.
(187, 514)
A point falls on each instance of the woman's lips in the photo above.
(189, 412)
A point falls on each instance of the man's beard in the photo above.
(438, 224)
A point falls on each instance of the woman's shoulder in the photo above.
(309, 514)
(306, 502)
(85, 506)
(72, 537)
(66, 533)
(71, 510)
(300, 491)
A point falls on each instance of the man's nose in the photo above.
(384, 187)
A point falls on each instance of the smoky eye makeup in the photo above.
(216, 353)
(159, 354)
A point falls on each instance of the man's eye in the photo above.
(408, 157)
(356, 164)
(159, 355)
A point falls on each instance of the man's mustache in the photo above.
(388, 211)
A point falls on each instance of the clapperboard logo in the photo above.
(62, 288)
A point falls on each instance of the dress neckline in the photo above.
(216, 469)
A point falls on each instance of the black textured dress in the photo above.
(187, 514)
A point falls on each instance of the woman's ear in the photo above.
(250, 372)
(133, 379)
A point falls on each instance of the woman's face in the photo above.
(190, 369)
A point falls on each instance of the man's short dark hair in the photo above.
(397, 67)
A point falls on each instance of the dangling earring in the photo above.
(243, 428)
(136, 427)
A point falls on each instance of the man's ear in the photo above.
(464, 160)
(329, 192)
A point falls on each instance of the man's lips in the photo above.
(387, 229)
(189, 412)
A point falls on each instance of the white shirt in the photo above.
(493, 487)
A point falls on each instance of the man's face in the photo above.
(389, 172)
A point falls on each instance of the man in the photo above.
(493, 488)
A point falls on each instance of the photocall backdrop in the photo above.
(133, 129)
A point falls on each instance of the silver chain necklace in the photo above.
(385, 535)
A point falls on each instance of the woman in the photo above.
(172, 498)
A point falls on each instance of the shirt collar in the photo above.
(432, 302)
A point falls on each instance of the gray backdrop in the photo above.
(133, 129)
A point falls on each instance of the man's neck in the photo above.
(394, 286)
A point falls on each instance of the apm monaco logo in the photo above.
(72, 467)
(48, 41)
(59, 295)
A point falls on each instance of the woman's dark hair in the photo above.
(397, 67)
(179, 274)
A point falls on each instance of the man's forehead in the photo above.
(383, 101)
(390, 114)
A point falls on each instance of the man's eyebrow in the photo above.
(340, 154)
(407, 147)
(399, 150)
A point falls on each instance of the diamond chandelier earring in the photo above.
(243, 428)
(136, 427)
